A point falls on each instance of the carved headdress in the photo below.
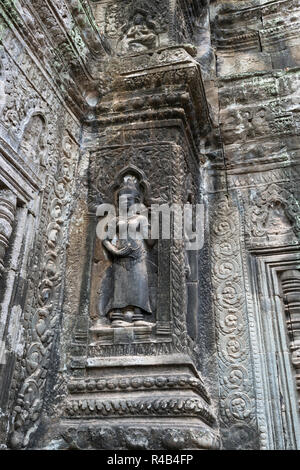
(142, 9)
(130, 185)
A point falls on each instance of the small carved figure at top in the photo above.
(139, 33)
(125, 287)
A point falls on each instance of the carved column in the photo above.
(290, 282)
(8, 203)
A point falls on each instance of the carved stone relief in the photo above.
(125, 291)
(161, 188)
(104, 336)
(33, 139)
(148, 25)
(139, 34)
(141, 30)
(273, 217)
(237, 399)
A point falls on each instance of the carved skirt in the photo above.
(126, 285)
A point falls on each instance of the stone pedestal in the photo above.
(139, 403)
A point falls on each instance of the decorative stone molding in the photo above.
(277, 400)
(139, 383)
(66, 45)
(182, 407)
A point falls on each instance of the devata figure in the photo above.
(139, 33)
(124, 295)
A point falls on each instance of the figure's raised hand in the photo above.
(115, 251)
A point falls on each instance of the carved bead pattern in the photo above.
(139, 383)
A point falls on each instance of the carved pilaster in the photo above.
(290, 283)
(122, 370)
(8, 203)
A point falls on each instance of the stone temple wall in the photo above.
(190, 102)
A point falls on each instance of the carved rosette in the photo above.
(8, 201)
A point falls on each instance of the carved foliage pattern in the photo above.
(41, 321)
(153, 159)
(140, 407)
